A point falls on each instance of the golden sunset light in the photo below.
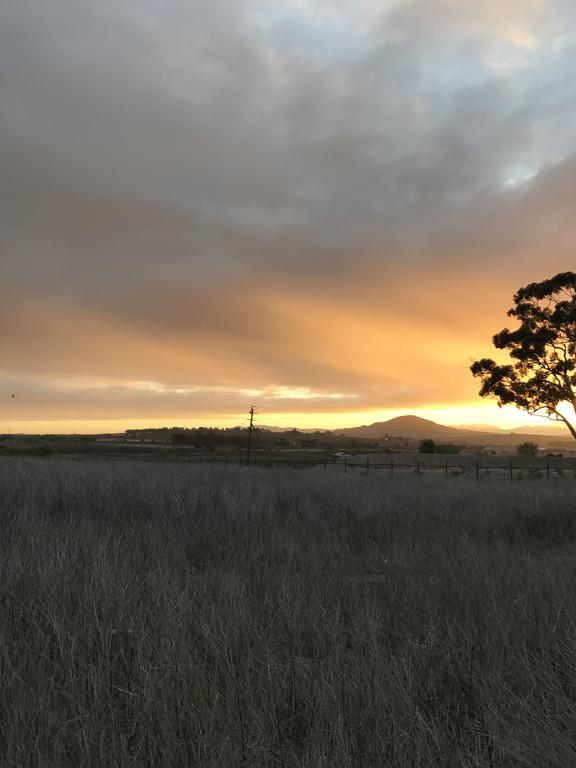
(319, 209)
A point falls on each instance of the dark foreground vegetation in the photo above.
(211, 616)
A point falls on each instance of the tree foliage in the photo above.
(542, 375)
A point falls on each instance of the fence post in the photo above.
(445, 467)
(548, 470)
(368, 466)
(345, 465)
(417, 466)
(511, 472)
(477, 472)
(391, 466)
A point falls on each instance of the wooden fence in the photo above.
(509, 468)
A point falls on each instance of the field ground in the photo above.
(170, 615)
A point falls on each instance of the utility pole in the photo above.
(250, 430)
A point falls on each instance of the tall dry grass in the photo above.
(187, 616)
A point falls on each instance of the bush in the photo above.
(527, 448)
(427, 446)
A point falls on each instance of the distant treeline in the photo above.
(237, 437)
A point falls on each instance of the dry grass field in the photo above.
(175, 616)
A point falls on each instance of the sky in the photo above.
(318, 207)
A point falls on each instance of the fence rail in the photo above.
(391, 466)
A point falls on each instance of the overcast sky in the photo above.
(318, 207)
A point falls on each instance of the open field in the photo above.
(476, 466)
(185, 615)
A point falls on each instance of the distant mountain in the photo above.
(417, 428)
(406, 426)
(483, 428)
(550, 430)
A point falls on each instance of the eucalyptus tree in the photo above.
(541, 377)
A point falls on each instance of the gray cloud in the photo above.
(200, 114)
(167, 169)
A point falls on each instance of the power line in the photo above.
(250, 430)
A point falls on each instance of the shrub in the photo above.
(528, 448)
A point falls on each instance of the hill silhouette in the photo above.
(417, 428)
(406, 426)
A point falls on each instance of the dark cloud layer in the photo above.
(264, 194)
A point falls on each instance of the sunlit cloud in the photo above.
(318, 208)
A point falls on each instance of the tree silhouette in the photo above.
(542, 377)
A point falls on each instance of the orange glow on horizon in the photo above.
(457, 415)
(356, 354)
